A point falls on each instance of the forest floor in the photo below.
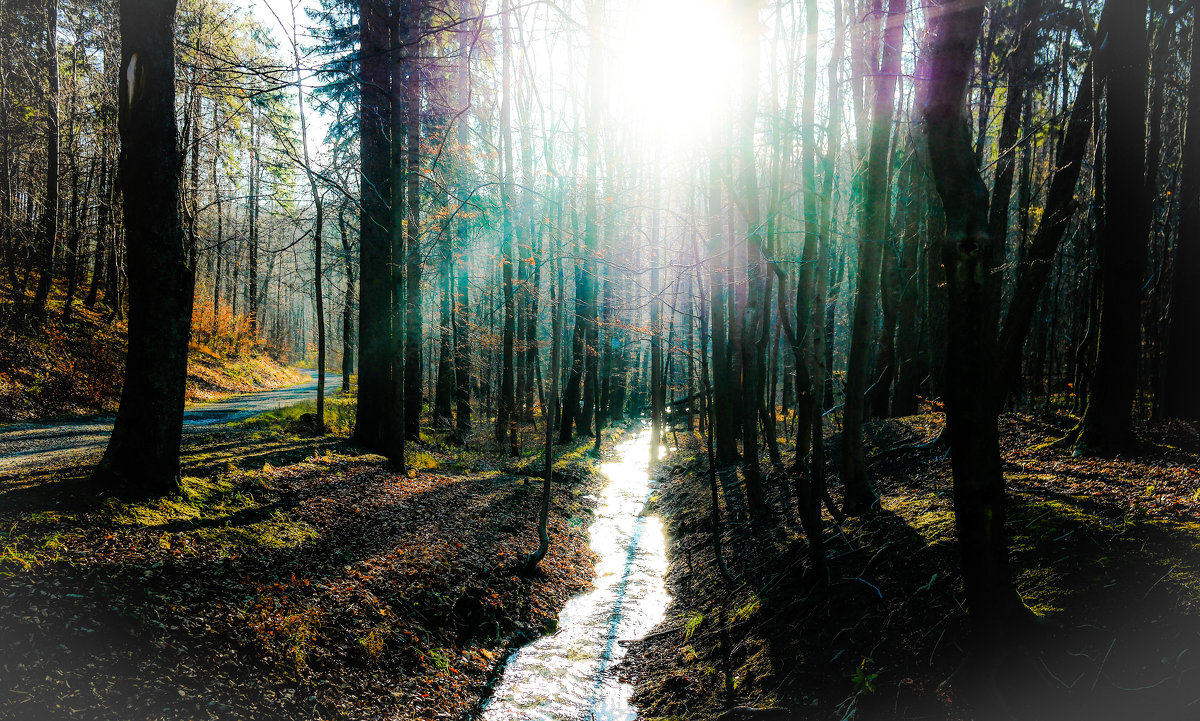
(1106, 551)
(54, 369)
(294, 577)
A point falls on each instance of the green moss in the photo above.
(420, 460)
(197, 498)
(277, 532)
(20, 552)
(1042, 590)
(930, 515)
(218, 511)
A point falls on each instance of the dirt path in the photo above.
(28, 446)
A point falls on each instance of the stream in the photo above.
(569, 675)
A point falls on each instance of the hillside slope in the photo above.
(50, 368)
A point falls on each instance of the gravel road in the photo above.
(29, 445)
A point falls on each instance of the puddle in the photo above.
(569, 675)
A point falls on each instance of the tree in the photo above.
(979, 352)
(375, 263)
(411, 68)
(50, 213)
(506, 425)
(142, 457)
(969, 255)
(532, 560)
(348, 365)
(1182, 382)
(859, 495)
(1107, 425)
(318, 230)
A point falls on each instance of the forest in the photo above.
(599, 359)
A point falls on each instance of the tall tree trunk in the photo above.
(573, 391)
(74, 235)
(970, 258)
(556, 289)
(252, 298)
(371, 427)
(318, 227)
(462, 345)
(8, 240)
(1028, 16)
(904, 393)
(859, 494)
(722, 414)
(1107, 424)
(810, 298)
(443, 397)
(579, 395)
(192, 202)
(402, 45)
(142, 457)
(459, 308)
(506, 429)
(413, 330)
(657, 394)
(879, 390)
(50, 212)
(752, 311)
(219, 241)
(348, 367)
(104, 196)
(710, 424)
(1182, 399)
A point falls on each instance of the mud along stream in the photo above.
(570, 675)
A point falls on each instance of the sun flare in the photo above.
(670, 57)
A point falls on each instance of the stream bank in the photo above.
(1107, 552)
(294, 578)
(570, 674)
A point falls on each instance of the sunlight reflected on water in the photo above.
(569, 675)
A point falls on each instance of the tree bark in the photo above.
(348, 365)
(1182, 399)
(252, 232)
(969, 257)
(401, 44)
(443, 397)
(142, 458)
(1107, 425)
(904, 392)
(50, 212)
(506, 429)
(375, 266)
(413, 325)
(318, 229)
(859, 494)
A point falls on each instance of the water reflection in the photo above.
(569, 675)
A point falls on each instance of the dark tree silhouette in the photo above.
(143, 454)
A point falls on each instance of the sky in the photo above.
(270, 13)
